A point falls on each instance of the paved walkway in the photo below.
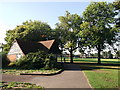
(72, 77)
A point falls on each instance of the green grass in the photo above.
(94, 60)
(91, 60)
(104, 76)
(105, 79)
(15, 85)
(14, 71)
(100, 76)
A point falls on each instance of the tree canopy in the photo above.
(116, 4)
(98, 27)
(29, 30)
(67, 29)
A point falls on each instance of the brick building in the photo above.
(21, 48)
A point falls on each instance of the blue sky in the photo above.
(14, 13)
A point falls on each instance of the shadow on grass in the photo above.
(90, 66)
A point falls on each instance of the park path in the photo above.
(71, 77)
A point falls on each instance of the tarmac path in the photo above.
(71, 77)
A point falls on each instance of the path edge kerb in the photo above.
(43, 74)
(87, 80)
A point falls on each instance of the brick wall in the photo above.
(12, 57)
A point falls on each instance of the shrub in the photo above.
(12, 64)
(50, 61)
(32, 61)
(5, 61)
(37, 60)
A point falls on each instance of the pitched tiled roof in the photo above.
(28, 47)
(47, 43)
(47, 46)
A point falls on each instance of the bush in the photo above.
(36, 61)
(31, 61)
(50, 62)
(12, 64)
(5, 61)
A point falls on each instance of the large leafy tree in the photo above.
(117, 54)
(66, 31)
(98, 27)
(29, 30)
(116, 4)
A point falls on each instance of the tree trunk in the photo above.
(71, 55)
(61, 57)
(99, 50)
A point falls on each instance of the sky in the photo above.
(13, 13)
(16, 13)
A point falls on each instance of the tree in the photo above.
(97, 28)
(29, 30)
(67, 31)
(108, 54)
(116, 4)
(117, 54)
(105, 54)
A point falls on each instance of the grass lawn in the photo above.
(100, 76)
(17, 85)
(91, 60)
(94, 60)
